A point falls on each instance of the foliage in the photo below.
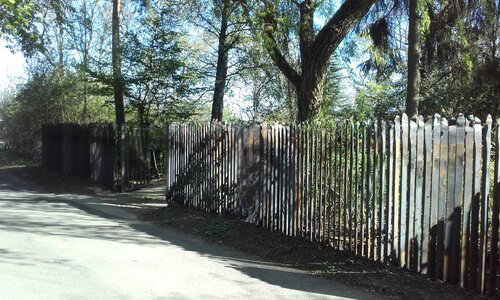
(158, 78)
(45, 98)
(17, 24)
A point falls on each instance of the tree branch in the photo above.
(341, 23)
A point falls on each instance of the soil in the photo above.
(388, 281)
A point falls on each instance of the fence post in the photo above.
(485, 192)
(494, 215)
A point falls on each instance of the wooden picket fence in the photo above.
(90, 150)
(422, 194)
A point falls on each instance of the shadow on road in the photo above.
(26, 208)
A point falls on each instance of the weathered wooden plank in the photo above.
(340, 179)
(303, 182)
(443, 188)
(345, 186)
(363, 194)
(485, 195)
(450, 204)
(356, 190)
(298, 180)
(403, 232)
(495, 209)
(290, 184)
(335, 196)
(310, 183)
(316, 179)
(267, 133)
(466, 216)
(369, 189)
(410, 260)
(350, 150)
(382, 205)
(458, 199)
(279, 178)
(390, 194)
(329, 196)
(375, 196)
(476, 200)
(397, 190)
(419, 182)
(427, 188)
(320, 188)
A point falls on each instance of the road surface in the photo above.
(76, 247)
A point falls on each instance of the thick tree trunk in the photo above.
(222, 61)
(310, 95)
(116, 61)
(118, 91)
(413, 88)
(315, 49)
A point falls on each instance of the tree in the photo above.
(118, 89)
(413, 87)
(116, 58)
(158, 77)
(17, 25)
(316, 48)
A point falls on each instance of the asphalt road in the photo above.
(76, 247)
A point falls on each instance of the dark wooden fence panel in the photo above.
(91, 151)
(413, 192)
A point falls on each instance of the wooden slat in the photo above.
(427, 180)
(485, 192)
(476, 200)
(466, 216)
(458, 197)
(356, 190)
(411, 242)
(351, 167)
(494, 216)
(345, 201)
(450, 204)
(336, 190)
(403, 234)
(375, 201)
(397, 189)
(381, 195)
(443, 188)
(363, 194)
(369, 190)
(419, 182)
(390, 194)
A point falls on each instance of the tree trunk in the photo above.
(310, 95)
(116, 58)
(222, 61)
(413, 88)
(315, 49)
(118, 92)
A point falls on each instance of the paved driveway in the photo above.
(76, 247)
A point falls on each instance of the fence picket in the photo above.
(494, 216)
(485, 195)
(409, 191)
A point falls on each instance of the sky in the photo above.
(11, 67)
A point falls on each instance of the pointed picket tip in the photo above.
(461, 120)
(404, 118)
(489, 120)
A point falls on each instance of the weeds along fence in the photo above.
(422, 194)
(91, 151)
